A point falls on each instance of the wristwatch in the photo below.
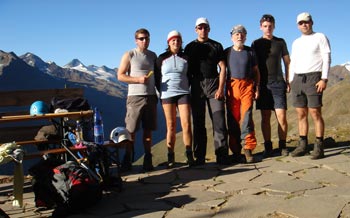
(325, 80)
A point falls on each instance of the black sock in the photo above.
(303, 137)
(268, 142)
(188, 149)
(320, 138)
(282, 143)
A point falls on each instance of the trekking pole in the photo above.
(82, 164)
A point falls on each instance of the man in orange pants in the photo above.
(242, 88)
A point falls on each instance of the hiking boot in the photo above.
(282, 148)
(237, 158)
(301, 149)
(126, 164)
(222, 157)
(284, 152)
(190, 159)
(171, 159)
(318, 152)
(199, 161)
(249, 158)
(268, 152)
(147, 162)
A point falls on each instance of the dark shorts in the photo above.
(272, 96)
(141, 109)
(304, 92)
(179, 99)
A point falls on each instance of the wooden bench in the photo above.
(17, 103)
(17, 125)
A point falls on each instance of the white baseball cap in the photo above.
(305, 16)
(202, 20)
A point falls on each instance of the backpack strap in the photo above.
(227, 53)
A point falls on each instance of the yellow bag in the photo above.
(9, 152)
(12, 152)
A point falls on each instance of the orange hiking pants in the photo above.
(240, 98)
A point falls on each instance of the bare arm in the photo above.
(286, 61)
(222, 77)
(256, 80)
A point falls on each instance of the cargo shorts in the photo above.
(304, 91)
(141, 110)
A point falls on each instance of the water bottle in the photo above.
(79, 132)
(98, 128)
(72, 138)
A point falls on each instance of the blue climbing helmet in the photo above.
(39, 107)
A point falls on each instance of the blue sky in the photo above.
(98, 32)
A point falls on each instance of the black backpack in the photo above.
(75, 105)
(63, 185)
(70, 104)
(77, 188)
(3, 214)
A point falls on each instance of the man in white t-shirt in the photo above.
(308, 73)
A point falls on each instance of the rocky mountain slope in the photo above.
(101, 78)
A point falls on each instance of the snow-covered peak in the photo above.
(32, 57)
(75, 63)
(102, 72)
(346, 65)
(34, 61)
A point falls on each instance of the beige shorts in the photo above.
(141, 109)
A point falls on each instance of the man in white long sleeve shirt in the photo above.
(308, 73)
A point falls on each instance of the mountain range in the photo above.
(102, 78)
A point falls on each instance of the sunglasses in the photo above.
(303, 22)
(143, 38)
(202, 27)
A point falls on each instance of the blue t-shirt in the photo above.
(240, 63)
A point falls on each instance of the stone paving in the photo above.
(278, 187)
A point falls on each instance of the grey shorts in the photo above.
(141, 109)
(304, 92)
(272, 96)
